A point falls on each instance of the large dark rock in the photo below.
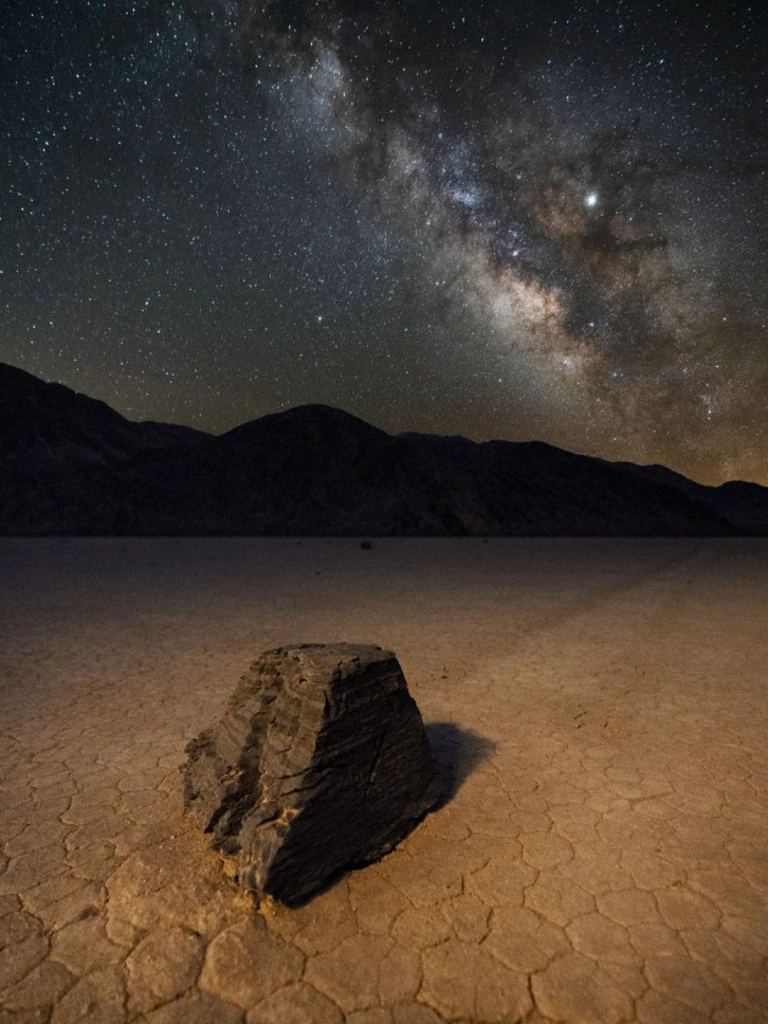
(320, 762)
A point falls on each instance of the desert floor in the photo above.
(599, 712)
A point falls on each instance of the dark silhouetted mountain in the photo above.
(65, 459)
(72, 465)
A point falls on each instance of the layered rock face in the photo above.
(320, 762)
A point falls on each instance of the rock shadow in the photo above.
(457, 752)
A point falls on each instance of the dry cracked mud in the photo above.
(599, 713)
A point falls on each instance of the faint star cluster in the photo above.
(507, 221)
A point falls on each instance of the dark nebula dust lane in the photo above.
(502, 220)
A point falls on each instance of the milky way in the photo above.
(517, 221)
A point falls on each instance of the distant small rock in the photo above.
(366, 545)
(321, 762)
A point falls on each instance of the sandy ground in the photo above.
(599, 712)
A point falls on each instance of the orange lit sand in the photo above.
(604, 856)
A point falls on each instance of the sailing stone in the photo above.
(320, 763)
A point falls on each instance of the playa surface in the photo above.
(599, 712)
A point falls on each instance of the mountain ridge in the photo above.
(69, 464)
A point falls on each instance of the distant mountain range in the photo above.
(70, 465)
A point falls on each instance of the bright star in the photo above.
(591, 199)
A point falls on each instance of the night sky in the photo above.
(522, 220)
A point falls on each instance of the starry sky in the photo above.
(516, 220)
